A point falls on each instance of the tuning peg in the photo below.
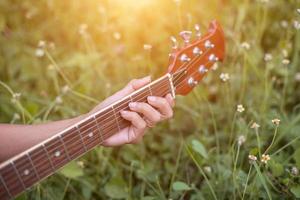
(186, 36)
(197, 28)
(197, 51)
(184, 58)
(202, 69)
(208, 44)
(192, 82)
(213, 58)
(174, 42)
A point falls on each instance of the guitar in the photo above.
(187, 66)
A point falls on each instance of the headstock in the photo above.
(190, 63)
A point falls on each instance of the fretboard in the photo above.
(24, 170)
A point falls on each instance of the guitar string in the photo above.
(190, 63)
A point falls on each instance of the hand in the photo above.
(141, 115)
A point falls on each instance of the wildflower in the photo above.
(252, 158)
(276, 121)
(284, 24)
(255, 125)
(41, 44)
(240, 108)
(297, 77)
(52, 45)
(117, 35)
(147, 47)
(285, 61)
(298, 10)
(16, 116)
(284, 53)
(17, 96)
(65, 89)
(295, 171)
(80, 163)
(268, 57)
(245, 45)
(215, 66)
(82, 29)
(58, 100)
(224, 77)
(207, 169)
(39, 52)
(241, 140)
(265, 158)
(296, 25)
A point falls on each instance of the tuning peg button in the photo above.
(208, 44)
(213, 58)
(184, 58)
(197, 28)
(202, 69)
(186, 36)
(192, 82)
(197, 51)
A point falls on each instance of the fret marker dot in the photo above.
(26, 172)
(91, 134)
(57, 153)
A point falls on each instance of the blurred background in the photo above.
(236, 136)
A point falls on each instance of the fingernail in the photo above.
(152, 98)
(132, 105)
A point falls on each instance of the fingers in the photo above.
(148, 111)
(164, 105)
(134, 85)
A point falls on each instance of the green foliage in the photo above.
(93, 48)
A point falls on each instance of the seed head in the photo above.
(252, 158)
(268, 57)
(285, 61)
(295, 171)
(245, 45)
(241, 140)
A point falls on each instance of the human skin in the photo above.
(17, 138)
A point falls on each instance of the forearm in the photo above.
(15, 139)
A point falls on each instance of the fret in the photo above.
(81, 139)
(107, 122)
(4, 191)
(68, 156)
(73, 143)
(89, 133)
(141, 96)
(117, 121)
(25, 171)
(18, 175)
(38, 176)
(56, 152)
(41, 161)
(10, 178)
(99, 130)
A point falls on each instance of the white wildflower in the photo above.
(255, 125)
(224, 77)
(58, 100)
(215, 66)
(265, 158)
(241, 140)
(284, 24)
(207, 169)
(117, 35)
(284, 53)
(42, 44)
(245, 45)
(295, 171)
(80, 164)
(285, 61)
(82, 29)
(298, 11)
(297, 77)
(276, 121)
(268, 57)
(65, 89)
(39, 52)
(296, 25)
(240, 108)
(147, 47)
(252, 158)
(16, 116)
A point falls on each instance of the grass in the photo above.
(93, 48)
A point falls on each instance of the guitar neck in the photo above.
(42, 160)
